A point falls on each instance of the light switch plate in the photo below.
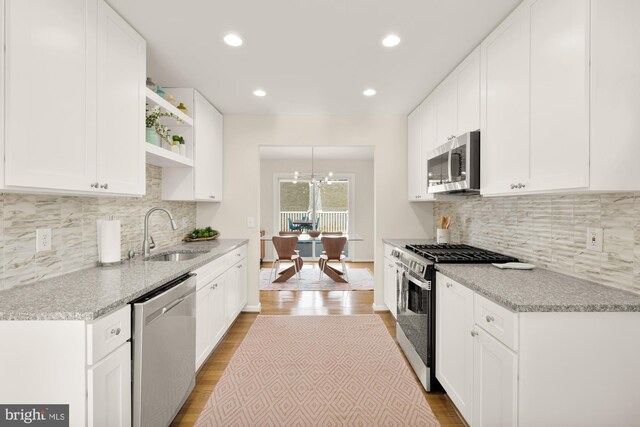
(250, 222)
(43, 239)
(594, 239)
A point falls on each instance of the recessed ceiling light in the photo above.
(369, 92)
(233, 40)
(391, 40)
(259, 92)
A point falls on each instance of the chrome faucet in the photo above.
(148, 243)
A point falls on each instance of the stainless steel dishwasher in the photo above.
(164, 335)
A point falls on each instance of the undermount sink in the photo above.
(175, 256)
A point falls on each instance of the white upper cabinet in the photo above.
(50, 138)
(203, 181)
(421, 139)
(615, 95)
(73, 94)
(504, 136)
(457, 100)
(121, 104)
(427, 127)
(468, 93)
(560, 84)
(208, 150)
(414, 166)
(446, 110)
(559, 93)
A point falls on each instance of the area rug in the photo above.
(317, 371)
(360, 279)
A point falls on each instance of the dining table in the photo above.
(304, 224)
(289, 272)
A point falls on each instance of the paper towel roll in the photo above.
(108, 240)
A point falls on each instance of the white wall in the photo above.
(394, 216)
(364, 196)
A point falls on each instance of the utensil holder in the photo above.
(443, 235)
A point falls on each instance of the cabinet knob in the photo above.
(449, 285)
(212, 197)
(513, 186)
(105, 186)
(474, 334)
(521, 185)
(116, 331)
(94, 185)
(238, 266)
(215, 285)
(489, 319)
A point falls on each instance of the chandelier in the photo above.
(314, 177)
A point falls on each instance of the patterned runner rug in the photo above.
(317, 371)
(360, 279)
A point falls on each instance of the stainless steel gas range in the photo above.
(416, 329)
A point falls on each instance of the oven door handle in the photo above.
(422, 283)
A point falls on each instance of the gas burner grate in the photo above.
(458, 253)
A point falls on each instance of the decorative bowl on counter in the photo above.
(201, 235)
(314, 233)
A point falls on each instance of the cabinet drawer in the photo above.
(237, 255)
(107, 333)
(496, 320)
(208, 272)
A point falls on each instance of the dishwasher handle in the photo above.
(173, 304)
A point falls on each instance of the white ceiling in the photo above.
(310, 56)
(329, 152)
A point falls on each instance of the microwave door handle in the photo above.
(449, 165)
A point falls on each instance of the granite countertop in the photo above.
(536, 290)
(93, 292)
(539, 290)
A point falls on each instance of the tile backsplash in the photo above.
(550, 232)
(74, 231)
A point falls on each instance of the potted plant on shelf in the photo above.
(175, 143)
(178, 142)
(157, 132)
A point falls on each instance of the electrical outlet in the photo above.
(43, 239)
(594, 239)
(250, 222)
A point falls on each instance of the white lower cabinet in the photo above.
(454, 349)
(109, 370)
(390, 291)
(495, 382)
(529, 369)
(109, 390)
(220, 296)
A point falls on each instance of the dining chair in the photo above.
(333, 247)
(330, 233)
(292, 226)
(285, 247)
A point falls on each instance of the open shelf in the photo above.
(155, 99)
(158, 156)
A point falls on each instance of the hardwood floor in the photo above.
(296, 303)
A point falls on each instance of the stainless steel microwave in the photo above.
(455, 166)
